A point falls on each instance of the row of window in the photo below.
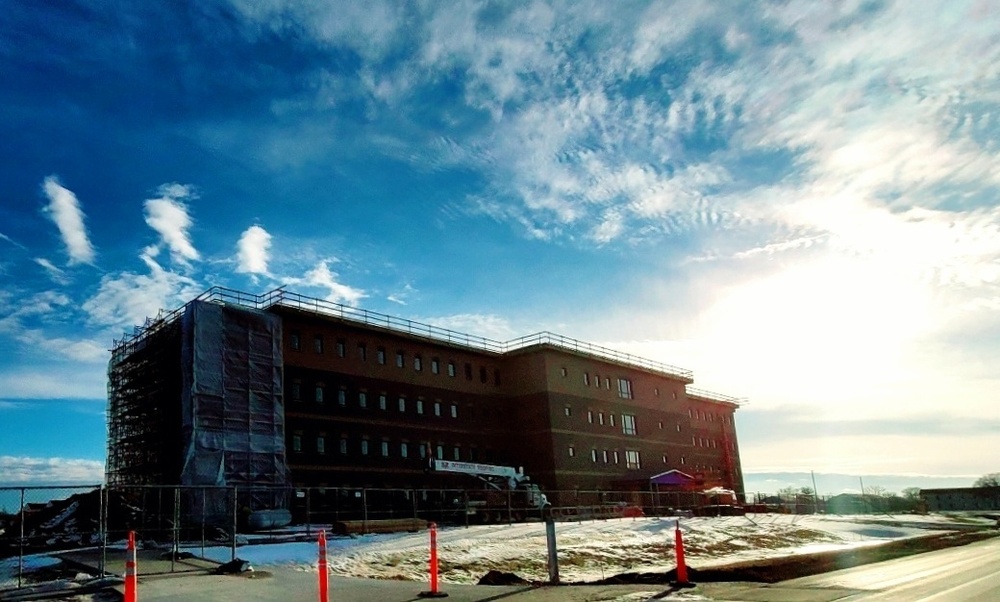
(384, 448)
(451, 368)
(611, 457)
(628, 422)
(709, 416)
(713, 443)
(382, 401)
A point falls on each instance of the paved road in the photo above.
(969, 572)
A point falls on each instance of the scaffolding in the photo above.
(195, 399)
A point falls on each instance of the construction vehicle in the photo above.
(508, 494)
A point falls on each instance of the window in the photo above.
(362, 352)
(454, 411)
(296, 390)
(611, 418)
(664, 458)
(404, 450)
(624, 388)
(615, 453)
(468, 371)
(586, 379)
(590, 417)
(451, 368)
(661, 425)
(362, 400)
(400, 359)
(435, 365)
(456, 454)
(600, 418)
(678, 427)
(572, 451)
(318, 343)
(683, 460)
(385, 448)
(420, 407)
(321, 444)
(562, 371)
(343, 446)
(342, 398)
(380, 356)
(319, 394)
(402, 404)
(423, 450)
(628, 424)
(632, 459)
(297, 443)
(440, 452)
(607, 384)
(296, 341)
(604, 456)
(597, 381)
(364, 446)
(418, 364)
(437, 408)
(593, 455)
(381, 401)
(568, 411)
(656, 391)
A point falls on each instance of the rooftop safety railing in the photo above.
(281, 297)
(713, 396)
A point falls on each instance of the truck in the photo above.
(508, 494)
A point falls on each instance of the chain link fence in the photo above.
(50, 533)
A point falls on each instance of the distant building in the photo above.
(961, 498)
(282, 389)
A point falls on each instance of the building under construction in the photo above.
(282, 389)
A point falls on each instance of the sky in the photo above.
(796, 200)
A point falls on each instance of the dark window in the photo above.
(296, 391)
(342, 397)
(296, 341)
(454, 411)
(404, 451)
(341, 348)
(321, 444)
(418, 364)
(380, 354)
(451, 368)
(420, 407)
(343, 446)
(364, 447)
(362, 352)
(362, 400)
(437, 408)
(435, 365)
(297, 443)
(385, 448)
(318, 344)
(319, 394)
(400, 359)
(381, 401)
(468, 371)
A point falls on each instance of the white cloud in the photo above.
(253, 251)
(489, 326)
(50, 471)
(58, 276)
(64, 210)
(337, 292)
(11, 241)
(126, 299)
(168, 215)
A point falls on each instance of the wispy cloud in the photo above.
(125, 299)
(168, 215)
(50, 471)
(11, 241)
(57, 275)
(253, 251)
(322, 277)
(64, 209)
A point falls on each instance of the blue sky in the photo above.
(795, 200)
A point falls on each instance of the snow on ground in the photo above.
(589, 550)
(31, 563)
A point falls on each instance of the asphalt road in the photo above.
(969, 572)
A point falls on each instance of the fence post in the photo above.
(102, 526)
(308, 513)
(509, 518)
(550, 540)
(20, 544)
(236, 506)
(364, 510)
(204, 504)
(176, 534)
